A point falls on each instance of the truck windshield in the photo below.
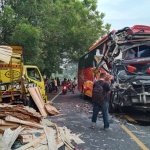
(34, 74)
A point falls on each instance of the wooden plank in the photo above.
(31, 148)
(42, 144)
(6, 47)
(21, 113)
(14, 119)
(46, 122)
(10, 136)
(50, 135)
(3, 128)
(39, 95)
(28, 135)
(25, 136)
(130, 119)
(2, 144)
(76, 139)
(44, 141)
(51, 109)
(32, 110)
(5, 53)
(38, 102)
(67, 133)
(31, 131)
(60, 144)
(4, 58)
(33, 142)
(63, 138)
(42, 147)
(66, 148)
(7, 123)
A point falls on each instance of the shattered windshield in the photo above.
(135, 50)
(136, 57)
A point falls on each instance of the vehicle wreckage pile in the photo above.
(22, 128)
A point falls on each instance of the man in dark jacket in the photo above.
(104, 105)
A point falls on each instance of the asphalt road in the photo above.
(76, 115)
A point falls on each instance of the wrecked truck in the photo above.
(16, 77)
(126, 56)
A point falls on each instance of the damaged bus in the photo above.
(131, 69)
(126, 56)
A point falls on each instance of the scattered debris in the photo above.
(94, 145)
(23, 128)
(9, 137)
(112, 139)
(139, 132)
(77, 106)
(129, 124)
(44, 108)
(19, 111)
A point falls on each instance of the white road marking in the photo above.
(55, 97)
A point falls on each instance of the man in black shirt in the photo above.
(104, 106)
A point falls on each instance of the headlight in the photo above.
(18, 87)
(3, 88)
(15, 86)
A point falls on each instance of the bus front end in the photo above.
(130, 53)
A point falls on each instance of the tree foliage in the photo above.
(51, 31)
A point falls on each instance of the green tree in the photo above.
(51, 31)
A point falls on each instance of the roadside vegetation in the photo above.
(52, 32)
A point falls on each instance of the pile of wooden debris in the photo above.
(44, 108)
(22, 128)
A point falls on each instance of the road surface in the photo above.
(76, 115)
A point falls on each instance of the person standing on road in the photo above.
(55, 82)
(75, 81)
(53, 85)
(100, 98)
(58, 82)
(46, 84)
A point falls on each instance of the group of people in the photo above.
(53, 85)
(67, 82)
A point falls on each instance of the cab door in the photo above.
(34, 78)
